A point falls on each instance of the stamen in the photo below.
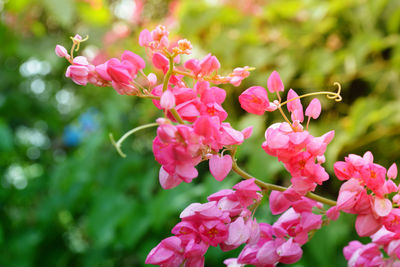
(284, 116)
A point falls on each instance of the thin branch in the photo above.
(269, 186)
(118, 144)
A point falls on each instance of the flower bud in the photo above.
(61, 51)
(275, 83)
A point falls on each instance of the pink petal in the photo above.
(220, 166)
(367, 225)
(247, 132)
(152, 78)
(314, 109)
(145, 38)
(267, 254)
(290, 252)
(61, 51)
(160, 61)
(168, 181)
(382, 206)
(278, 203)
(275, 83)
(167, 100)
(239, 233)
(392, 172)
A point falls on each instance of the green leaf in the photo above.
(62, 11)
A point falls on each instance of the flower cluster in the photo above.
(370, 255)
(179, 148)
(193, 129)
(226, 220)
(282, 241)
(367, 193)
(301, 153)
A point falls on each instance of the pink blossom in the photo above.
(167, 100)
(392, 172)
(152, 79)
(209, 64)
(247, 192)
(220, 166)
(238, 75)
(278, 203)
(79, 70)
(363, 255)
(61, 51)
(168, 253)
(145, 38)
(160, 62)
(232, 262)
(382, 206)
(275, 83)
(294, 106)
(289, 252)
(333, 213)
(247, 132)
(193, 65)
(239, 233)
(367, 224)
(392, 220)
(254, 100)
(314, 109)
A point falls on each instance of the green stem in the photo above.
(150, 96)
(284, 116)
(269, 186)
(176, 115)
(118, 144)
(165, 86)
(169, 72)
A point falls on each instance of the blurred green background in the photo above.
(68, 199)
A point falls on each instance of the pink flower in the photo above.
(239, 233)
(145, 38)
(220, 166)
(79, 71)
(392, 220)
(238, 75)
(61, 51)
(120, 71)
(289, 252)
(314, 109)
(373, 175)
(136, 61)
(382, 206)
(209, 64)
(254, 100)
(294, 106)
(367, 224)
(168, 253)
(213, 232)
(247, 192)
(275, 83)
(160, 62)
(392, 172)
(167, 100)
(193, 65)
(363, 255)
(278, 203)
(152, 78)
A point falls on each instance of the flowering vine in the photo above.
(194, 129)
